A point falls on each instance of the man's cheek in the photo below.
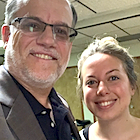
(16, 38)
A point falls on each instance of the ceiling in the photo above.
(99, 18)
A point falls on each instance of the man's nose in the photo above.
(102, 88)
(46, 37)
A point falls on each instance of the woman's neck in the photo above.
(116, 129)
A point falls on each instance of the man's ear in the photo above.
(5, 31)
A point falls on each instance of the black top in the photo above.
(42, 114)
(85, 132)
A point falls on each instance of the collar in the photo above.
(35, 105)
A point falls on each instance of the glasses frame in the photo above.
(71, 36)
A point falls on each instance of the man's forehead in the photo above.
(47, 10)
(57, 4)
(27, 1)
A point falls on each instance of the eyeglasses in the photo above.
(33, 26)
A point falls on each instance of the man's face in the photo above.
(39, 59)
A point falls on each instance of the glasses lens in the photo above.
(31, 26)
(34, 27)
(61, 32)
(64, 33)
(73, 34)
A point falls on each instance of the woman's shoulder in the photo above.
(136, 128)
(137, 121)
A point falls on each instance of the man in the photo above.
(38, 36)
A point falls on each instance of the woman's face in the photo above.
(106, 87)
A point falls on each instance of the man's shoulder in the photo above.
(63, 100)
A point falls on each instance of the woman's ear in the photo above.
(133, 90)
(5, 31)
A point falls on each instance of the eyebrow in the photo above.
(61, 23)
(36, 18)
(56, 23)
(112, 71)
(92, 76)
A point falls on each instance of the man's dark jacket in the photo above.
(17, 120)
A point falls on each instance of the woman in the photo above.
(106, 82)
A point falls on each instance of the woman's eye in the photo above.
(113, 78)
(91, 82)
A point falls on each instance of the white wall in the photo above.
(133, 47)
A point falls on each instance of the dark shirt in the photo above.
(42, 114)
(85, 133)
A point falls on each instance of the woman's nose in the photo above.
(102, 89)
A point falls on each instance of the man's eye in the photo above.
(31, 27)
(61, 31)
(113, 78)
(34, 27)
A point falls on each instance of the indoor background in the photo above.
(97, 18)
